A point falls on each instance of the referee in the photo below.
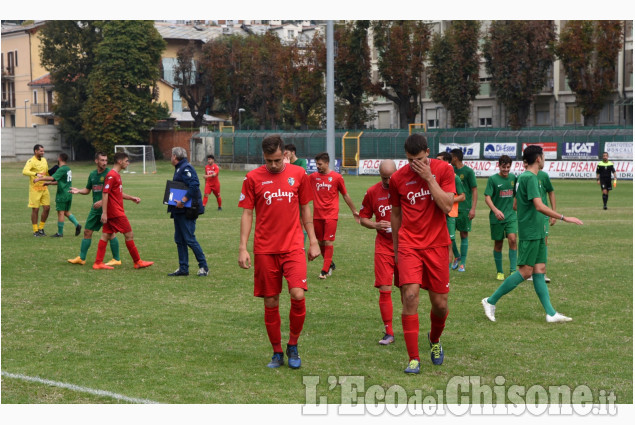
(603, 174)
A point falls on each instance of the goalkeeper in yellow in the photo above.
(38, 193)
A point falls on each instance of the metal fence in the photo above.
(244, 146)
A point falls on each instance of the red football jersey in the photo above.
(212, 181)
(114, 189)
(377, 202)
(423, 224)
(326, 197)
(277, 198)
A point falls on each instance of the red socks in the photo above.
(101, 251)
(385, 308)
(436, 327)
(272, 323)
(132, 249)
(410, 324)
(297, 313)
(220, 201)
(328, 257)
(205, 198)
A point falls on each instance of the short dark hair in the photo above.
(119, 156)
(445, 155)
(37, 147)
(531, 153)
(504, 159)
(323, 156)
(271, 144)
(211, 156)
(100, 153)
(457, 153)
(290, 147)
(416, 143)
(63, 156)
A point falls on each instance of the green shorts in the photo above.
(532, 252)
(499, 231)
(451, 222)
(63, 205)
(93, 222)
(463, 223)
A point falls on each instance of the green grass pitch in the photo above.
(203, 340)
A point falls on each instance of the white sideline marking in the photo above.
(78, 388)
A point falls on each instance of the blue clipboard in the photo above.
(175, 191)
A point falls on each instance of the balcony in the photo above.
(42, 109)
(6, 104)
(8, 72)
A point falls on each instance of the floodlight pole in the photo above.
(330, 103)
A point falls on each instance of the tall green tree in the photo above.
(454, 74)
(352, 73)
(519, 55)
(122, 86)
(588, 51)
(402, 47)
(68, 53)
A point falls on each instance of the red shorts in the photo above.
(212, 189)
(384, 270)
(324, 229)
(427, 267)
(270, 268)
(117, 225)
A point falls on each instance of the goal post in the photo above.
(141, 158)
(417, 128)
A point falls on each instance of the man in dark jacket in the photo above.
(184, 223)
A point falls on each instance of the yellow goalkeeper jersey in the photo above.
(36, 166)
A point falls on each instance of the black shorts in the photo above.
(606, 184)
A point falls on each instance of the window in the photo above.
(35, 97)
(432, 118)
(485, 116)
(542, 114)
(16, 57)
(574, 114)
(290, 33)
(606, 114)
(10, 63)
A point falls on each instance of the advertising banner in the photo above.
(495, 150)
(580, 150)
(470, 150)
(619, 150)
(550, 149)
(371, 166)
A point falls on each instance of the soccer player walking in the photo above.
(532, 254)
(467, 208)
(95, 184)
(499, 197)
(114, 217)
(327, 185)
(290, 152)
(421, 194)
(212, 184)
(459, 196)
(377, 202)
(38, 193)
(278, 191)
(63, 178)
(603, 174)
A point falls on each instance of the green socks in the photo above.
(498, 260)
(543, 293)
(83, 249)
(114, 247)
(60, 227)
(463, 251)
(508, 285)
(513, 257)
(455, 250)
(73, 220)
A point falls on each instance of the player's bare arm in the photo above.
(134, 199)
(459, 198)
(306, 217)
(104, 204)
(542, 208)
(351, 205)
(244, 260)
(472, 212)
(552, 202)
(444, 200)
(374, 225)
(395, 223)
(76, 191)
(498, 213)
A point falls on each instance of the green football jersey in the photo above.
(96, 183)
(502, 191)
(301, 162)
(545, 186)
(531, 223)
(468, 178)
(63, 176)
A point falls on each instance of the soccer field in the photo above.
(144, 335)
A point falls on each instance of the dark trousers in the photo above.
(184, 237)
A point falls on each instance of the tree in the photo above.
(519, 55)
(454, 75)
(402, 48)
(352, 73)
(122, 86)
(68, 53)
(589, 50)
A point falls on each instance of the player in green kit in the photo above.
(467, 208)
(532, 253)
(450, 218)
(93, 222)
(62, 177)
(499, 197)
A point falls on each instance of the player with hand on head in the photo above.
(459, 196)
(39, 196)
(279, 193)
(377, 202)
(212, 184)
(327, 185)
(467, 208)
(62, 177)
(421, 194)
(114, 217)
(95, 184)
(532, 253)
